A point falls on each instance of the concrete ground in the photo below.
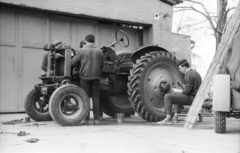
(135, 135)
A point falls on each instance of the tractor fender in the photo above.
(120, 52)
(143, 50)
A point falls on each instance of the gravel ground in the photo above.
(135, 135)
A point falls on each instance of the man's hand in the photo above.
(175, 90)
(57, 55)
(180, 84)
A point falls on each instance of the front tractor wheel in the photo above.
(69, 105)
(219, 122)
(36, 105)
(149, 72)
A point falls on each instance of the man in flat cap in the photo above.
(192, 82)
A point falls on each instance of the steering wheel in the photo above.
(122, 38)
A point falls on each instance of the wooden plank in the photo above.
(227, 38)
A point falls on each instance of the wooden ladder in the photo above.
(226, 40)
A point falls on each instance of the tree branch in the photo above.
(206, 14)
(230, 9)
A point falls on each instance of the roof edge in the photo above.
(172, 2)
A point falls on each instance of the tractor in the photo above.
(139, 80)
(59, 96)
(132, 81)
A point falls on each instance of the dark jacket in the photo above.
(90, 60)
(192, 82)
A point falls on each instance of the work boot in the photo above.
(85, 122)
(100, 118)
(175, 119)
(96, 122)
(166, 121)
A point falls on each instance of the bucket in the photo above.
(120, 117)
(27, 119)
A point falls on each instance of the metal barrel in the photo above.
(120, 117)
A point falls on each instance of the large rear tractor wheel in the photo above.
(112, 104)
(36, 105)
(69, 105)
(219, 122)
(146, 76)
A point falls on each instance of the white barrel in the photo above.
(221, 92)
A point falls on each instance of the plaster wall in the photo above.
(181, 46)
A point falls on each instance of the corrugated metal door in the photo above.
(23, 34)
(60, 28)
(83, 28)
(33, 35)
(8, 60)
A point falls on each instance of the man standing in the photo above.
(45, 60)
(192, 82)
(90, 60)
(82, 44)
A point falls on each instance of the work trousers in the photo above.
(176, 99)
(91, 87)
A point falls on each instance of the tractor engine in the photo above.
(116, 69)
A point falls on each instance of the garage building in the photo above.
(27, 25)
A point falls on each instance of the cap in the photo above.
(182, 61)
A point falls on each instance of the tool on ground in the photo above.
(27, 119)
(22, 133)
(7, 132)
(17, 121)
(32, 140)
(35, 124)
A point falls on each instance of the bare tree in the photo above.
(216, 22)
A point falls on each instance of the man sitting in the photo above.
(192, 82)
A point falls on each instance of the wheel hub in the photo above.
(155, 85)
(159, 82)
(70, 105)
(164, 86)
(41, 103)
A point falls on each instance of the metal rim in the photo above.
(75, 101)
(40, 105)
(159, 72)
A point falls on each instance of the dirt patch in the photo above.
(135, 135)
